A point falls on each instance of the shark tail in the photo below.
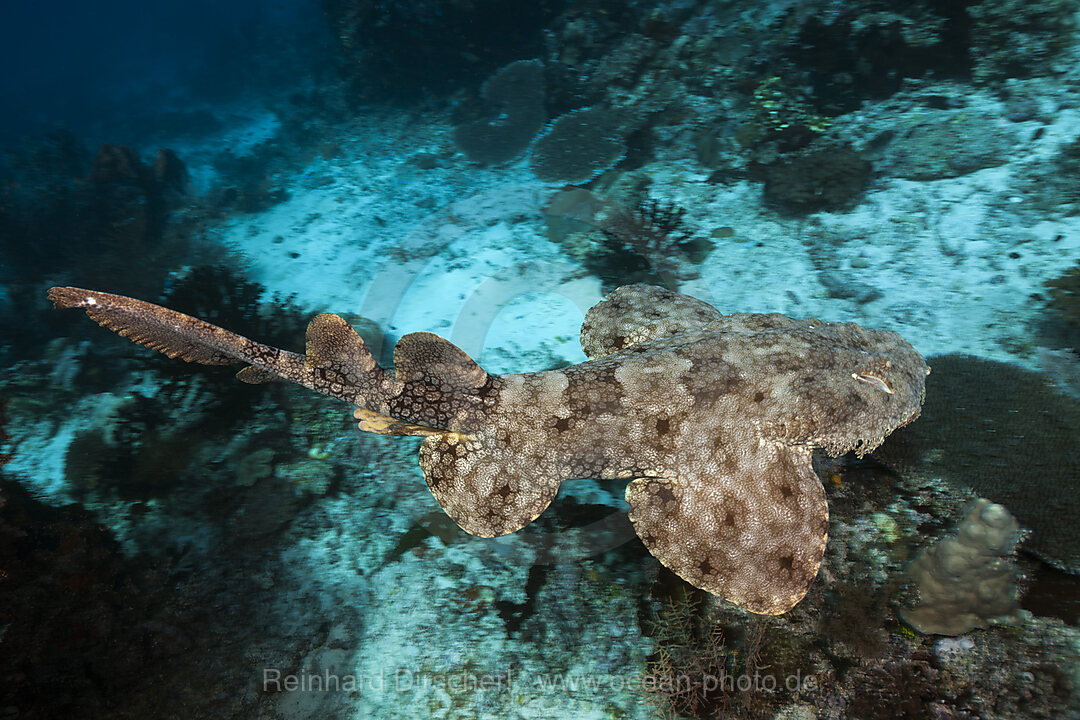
(337, 362)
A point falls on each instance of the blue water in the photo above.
(90, 66)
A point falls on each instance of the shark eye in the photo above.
(872, 379)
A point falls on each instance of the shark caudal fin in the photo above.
(337, 363)
(167, 331)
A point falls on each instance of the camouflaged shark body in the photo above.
(712, 417)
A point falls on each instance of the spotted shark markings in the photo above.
(711, 417)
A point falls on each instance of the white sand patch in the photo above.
(451, 270)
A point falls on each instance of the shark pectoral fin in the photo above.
(755, 538)
(373, 422)
(481, 486)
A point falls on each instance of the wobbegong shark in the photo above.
(711, 417)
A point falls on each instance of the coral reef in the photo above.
(818, 178)
(63, 211)
(695, 670)
(1015, 446)
(592, 58)
(647, 241)
(578, 146)
(887, 45)
(414, 47)
(780, 117)
(967, 581)
(1011, 38)
(513, 114)
(1063, 303)
(896, 689)
(90, 631)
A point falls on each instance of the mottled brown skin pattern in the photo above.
(712, 417)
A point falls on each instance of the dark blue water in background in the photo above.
(91, 66)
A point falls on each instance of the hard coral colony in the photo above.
(711, 417)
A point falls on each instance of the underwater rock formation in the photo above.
(964, 583)
(578, 146)
(1015, 446)
(416, 47)
(63, 210)
(132, 194)
(819, 178)
(712, 417)
(515, 96)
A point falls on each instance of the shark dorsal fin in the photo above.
(426, 357)
(332, 343)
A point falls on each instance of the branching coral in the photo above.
(649, 241)
(656, 232)
(697, 671)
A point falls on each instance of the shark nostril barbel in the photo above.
(872, 379)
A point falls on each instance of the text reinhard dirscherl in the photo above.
(402, 680)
